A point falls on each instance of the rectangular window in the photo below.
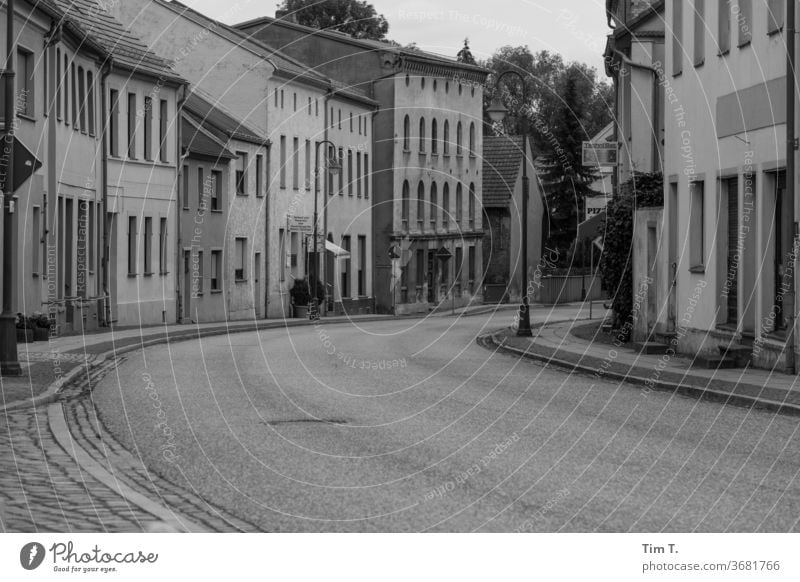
(148, 128)
(90, 98)
(420, 270)
(459, 265)
(471, 206)
(113, 132)
(148, 245)
(241, 173)
(216, 270)
(201, 189)
(198, 274)
(724, 26)
(91, 240)
(65, 84)
(283, 162)
(677, 38)
(163, 253)
(362, 266)
(349, 172)
(358, 174)
(282, 253)
(74, 96)
(697, 226)
(699, 32)
(186, 187)
(131, 245)
(295, 164)
(341, 172)
(269, 169)
(259, 175)
(35, 240)
(775, 15)
(216, 190)
(163, 119)
(81, 99)
(58, 82)
(294, 104)
(366, 175)
(744, 22)
(345, 268)
(281, 98)
(240, 259)
(340, 119)
(132, 125)
(308, 161)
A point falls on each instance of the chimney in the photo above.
(285, 15)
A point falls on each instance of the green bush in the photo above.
(301, 292)
(641, 191)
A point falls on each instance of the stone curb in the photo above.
(490, 341)
(63, 436)
(54, 389)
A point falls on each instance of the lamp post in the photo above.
(497, 113)
(334, 167)
(9, 359)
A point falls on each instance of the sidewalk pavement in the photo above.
(555, 344)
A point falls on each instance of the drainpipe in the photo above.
(654, 72)
(790, 178)
(53, 38)
(178, 203)
(325, 197)
(104, 184)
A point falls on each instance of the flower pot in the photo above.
(24, 335)
(301, 311)
(41, 334)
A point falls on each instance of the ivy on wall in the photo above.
(643, 190)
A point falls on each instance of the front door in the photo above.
(432, 276)
(187, 285)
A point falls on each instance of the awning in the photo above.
(337, 251)
(592, 227)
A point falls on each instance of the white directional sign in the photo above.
(302, 224)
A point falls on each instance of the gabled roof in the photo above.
(123, 47)
(365, 43)
(502, 161)
(196, 140)
(212, 114)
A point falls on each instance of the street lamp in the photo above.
(334, 167)
(497, 113)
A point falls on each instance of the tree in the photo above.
(354, 17)
(566, 105)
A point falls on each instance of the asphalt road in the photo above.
(411, 426)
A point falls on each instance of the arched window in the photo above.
(422, 134)
(472, 139)
(420, 205)
(407, 134)
(472, 205)
(405, 202)
(446, 137)
(434, 214)
(459, 140)
(459, 204)
(434, 137)
(446, 205)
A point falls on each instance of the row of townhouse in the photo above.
(721, 253)
(180, 163)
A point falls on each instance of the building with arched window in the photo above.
(417, 92)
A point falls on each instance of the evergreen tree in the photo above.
(357, 18)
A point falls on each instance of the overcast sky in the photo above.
(575, 28)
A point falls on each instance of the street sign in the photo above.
(25, 164)
(600, 153)
(302, 224)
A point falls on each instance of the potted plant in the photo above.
(24, 329)
(301, 297)
(41, 326)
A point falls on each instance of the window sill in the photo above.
(132, 275)
(216, 291)
(147, 274)
(237, 281)
(216, 211)
(35, 275)
(724, 53)
(776, 31)
(163, 273)
(697, 269)
(744, 44)
(242, 194)
(699, 64)
(26, 117)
